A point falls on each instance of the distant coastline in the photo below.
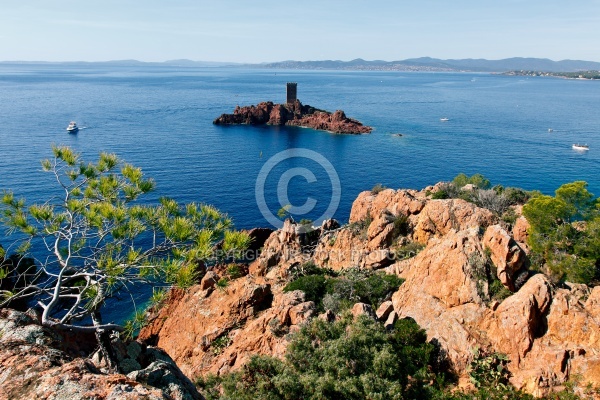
(422, 64)
(582, 75)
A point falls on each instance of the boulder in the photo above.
(391, 320)
(33, 366)
(520, 230)
(405, 202)
(362, 309)
(380, 231)
(384, 310)
(505, 253)
(439, 217)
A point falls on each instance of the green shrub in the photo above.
(489, 370)
(440, 194)
(401, 225)
(567, 251)
(277, 328)
(408, 250)
(378, 188)
(342, 360)
(234, 271)
(375, 288)
(359, 228)
(222, 283)
(338, 293)
(483, 272)
(308, 268)
(476, 180)
(498, 291)
(516, 195)
(220, 343)
(509, 216)
(490, 199)
(336, 303)
(312, 285)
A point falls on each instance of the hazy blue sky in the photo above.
(276, 30)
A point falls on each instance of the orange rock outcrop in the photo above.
(550, 333)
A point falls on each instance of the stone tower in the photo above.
(292, 91)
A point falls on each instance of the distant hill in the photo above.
(411, 64)
(435, 64)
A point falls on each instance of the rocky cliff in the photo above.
(469, 287)
(36, 363)
(293, 114)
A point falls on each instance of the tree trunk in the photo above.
(103, 336)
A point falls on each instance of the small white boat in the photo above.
(444, 119)
(583, 147)
(72, 128)
(550, 130)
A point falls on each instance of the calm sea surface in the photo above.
(160, 118)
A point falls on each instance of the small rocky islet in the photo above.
(293, 114)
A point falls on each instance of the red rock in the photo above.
(362, 309)
(32, 366)
(550, 334)
(384, 310)
(295, 114)
(506, 254)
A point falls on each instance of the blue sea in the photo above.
(160, 118)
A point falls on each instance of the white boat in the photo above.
(72, 128)
(550, 130)
(444, 119)
(583, 147)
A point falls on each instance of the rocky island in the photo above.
(293, 113)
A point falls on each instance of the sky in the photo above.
(277, 30)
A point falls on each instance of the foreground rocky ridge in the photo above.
(551, 334)
(293, 114)
(37, 363)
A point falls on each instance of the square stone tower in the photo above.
(292, 92)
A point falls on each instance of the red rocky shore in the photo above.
(293, 114)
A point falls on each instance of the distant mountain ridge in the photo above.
(436, 64)
(411, 64)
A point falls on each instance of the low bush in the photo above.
(234, 271)
(308, 268)
(477, 180)
(342, 360)
(312, 285)
(408, 250)
(219, 344)
(378, 188)
(483, 272)
(359, 228)
(401, 225)
(338, 293)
